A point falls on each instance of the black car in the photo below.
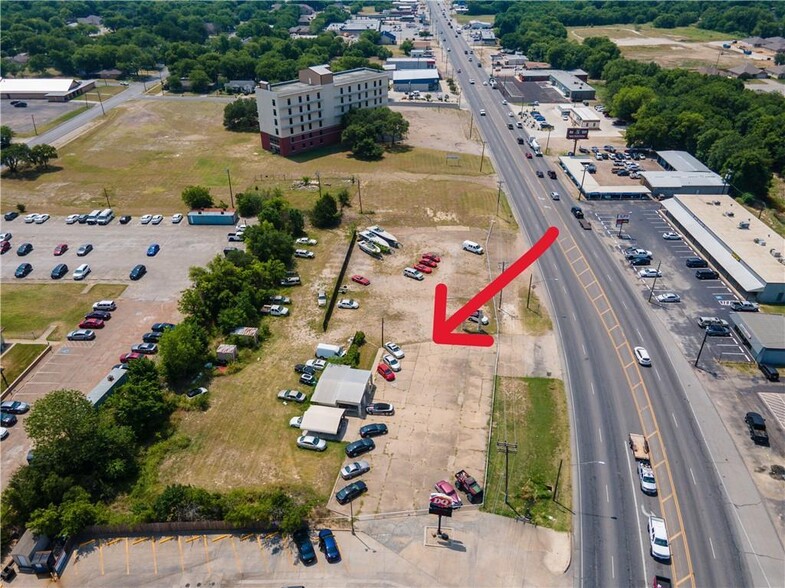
(577, 211)
(151, 337)
(359, 447)
(539, 174)
(520, 140)
(771, 373)
(20, 105)
(24, 249)
(138, 271)
(59, 271)
(23, 270)
(125, 219)
(717, 331)
(161, 327)
(756, 425)
(640, 261)
(551, 174)
(350, 492)
(706, 274)
(302, 539)
(301, 368)
(7, 419)
(9, 216)
(99, 314)
(82, 219)
(373, 430)
(696, 262)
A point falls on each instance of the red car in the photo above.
(431, 256)
(5, 246)
(91, 323)
(361, 280)
(422, 268)
(528, 155)
(61, 248)
(126, 357)
(444, 487)
(384, 371)
(428, 262)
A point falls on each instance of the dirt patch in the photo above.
(445, 129)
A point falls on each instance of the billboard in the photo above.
(440, 504)
(622, 219)
(577, 133)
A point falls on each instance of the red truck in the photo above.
(467, 484)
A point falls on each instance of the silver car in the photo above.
(81, 335)
(354, 469)
(293, 395)
(395, 350)
(311, 442)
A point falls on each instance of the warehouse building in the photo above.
(341, 386)
(50, 89)
(763, 334)
(683, 174)
(422, 80)
(571, 84)
(748, 252)
(306, 113)
(402, 63)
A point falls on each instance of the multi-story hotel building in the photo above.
(306, 113)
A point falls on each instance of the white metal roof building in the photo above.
(51, 89)
(324, 421)
(670, 183)
(765, 334)
(585, 117)
(745, 249)
(345, 387)
(424, 80)
(680, 161)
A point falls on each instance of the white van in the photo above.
(108, 305)
(473, 247)
(327, 351)
(410, 272)
(81, 272)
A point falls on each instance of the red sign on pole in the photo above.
(440, 504)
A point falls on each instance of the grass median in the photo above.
(531, 413)
(16, 360)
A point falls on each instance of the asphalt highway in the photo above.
(600, 317)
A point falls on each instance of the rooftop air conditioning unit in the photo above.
(775, 253)
(744, 224)
(716, 203)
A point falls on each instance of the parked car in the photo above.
(321, 298)
(176, 218)
(278, 299)
(305, 550)
(194, 392)
(308, 379)
(290, 281)
(671, 236)
(151, 337)
(305, 241)
(756, 426)
(395, 350)
(696, 262)
(145, 348)
(422, 268)
(296, 421)
(157, 219)
(744, 306)
(137, 272)
(301, 368)
(640, 261)
(11, 215)
(428, 262)
(105, 305)
(650, 273)
(373, 430)
(669, 297)
(126, 218)
(81, 272)
(4, 246)
(444, 487)
(304, 253)
(292, 395)
(153, 250)
(359, 447)
(384, 371)
(380, 408)
(329, 545)
(126, 357)
(59, 271)
(92, 323)
(539, 174)
(354, 469)
(770, 372)
(631, 252)
(717, 331)
(81, 335)
(642, 356)
(41, 219)
(14, 407)
(99, 314)
(24, 249)
(161, 327)
(350, 492)
(432, 256)
(317, 364)
(145, 219)
(23, 270)
(311, 442)
(60, 249)
(7, 420)
(84, 250)
(478, 317)
(348, 303)
(30, 218)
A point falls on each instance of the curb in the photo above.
(27, 370)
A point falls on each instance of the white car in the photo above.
(642, 356)
(293, 395)
(646, 476)
(485, 83)
(3, 433)
(650, 273)
(658, 538)
(394, 364)
(504, 103)
(471, 81)
(303, 253)
(348, 303)
(321, 298)
(317, 364)
(30, 218)
(296, 421)
(306, 241)
(636, 252)
(668, 297)
(555, 196)
(669, 236)
(145, 219)
(157, 219)
(510, 114)
(395, 350)
(71, 219)
(176, 218)
(482, 112)
(5, 236)
(311, 442)
(81, 272)
(41, 219)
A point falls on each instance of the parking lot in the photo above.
(21, 119)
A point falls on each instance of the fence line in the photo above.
(339, 281)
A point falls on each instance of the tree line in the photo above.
(18, 156)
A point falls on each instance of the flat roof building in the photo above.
(51, 89)
(684, 174)
(324, 421)
(402, 63)
(423, 80)
(584, 117)
(571, 84)
(680, 161)
(306, 113)
(745, 249)
(106, 387)
(764, 334)
(341, 386)
(591, 189)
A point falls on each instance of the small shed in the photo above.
(212, 216)
(226, 353)
(324, 421)
(27, 550)
(250, 334)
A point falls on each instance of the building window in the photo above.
(300, 99)
(290, 112)
(275, 122)
(289, 102)
(318, 95)
(274, 112)
(366, 85)
(273, 101)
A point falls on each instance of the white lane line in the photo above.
(613, 568)
(584, 352)
(694, 483)
(591, 384)
(607, 494)
(600, 431)
(640, 337)
(656, 373)
(674, 420)
(711, 544)
(575, 318)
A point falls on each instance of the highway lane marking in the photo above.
(600, 431)
(584, 349)
(711, 544)
(613, 568)
(675, 422)
(607, 494)
(590, 383)
(657, 373)
(693, 477)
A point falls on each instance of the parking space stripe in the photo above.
(246, 537)
(86, 543)
(180, 550)
(219, 538)
(101, 557)
(206, 554)
(127, 558)
(165, 539)
(237, 560)
(140, 540)
(155, 557)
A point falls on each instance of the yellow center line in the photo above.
(180, 550)
(206, 554)
(155, 558)
(127, 558)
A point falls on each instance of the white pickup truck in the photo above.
(275, 310)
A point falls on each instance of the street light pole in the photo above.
(548, 142)
(482, 155)
(498, 197)
(580, 190)
(231, 194)
(705, 335)
(651, 291)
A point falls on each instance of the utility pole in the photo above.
(705, 336)
(231, 194)
(504, 263)
(106, 195)
(529, 294)
(382, 331)
(36, 130)
(580, 190)
(360, 195)
(101, 102)
(482, 155)
(471, 124)
(319, 179)
(651, 291)
(498, 197)
(507, 448)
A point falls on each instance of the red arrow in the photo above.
(443, 327)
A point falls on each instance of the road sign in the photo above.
(440, 504)
(577, 133)
(622, 219)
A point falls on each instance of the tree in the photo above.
(249, 204)
(200, 81)
(183, 351)
(267, 243)
(14, 156)
(186, 503)
(407, 47)
(242, 115)
(628, 101)
(197, 197)
(40, 155)
(779, 58)
(325, 212)
(62, 421)
(173, 84)
(6, 134)
(344, 199)
(368, 150)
